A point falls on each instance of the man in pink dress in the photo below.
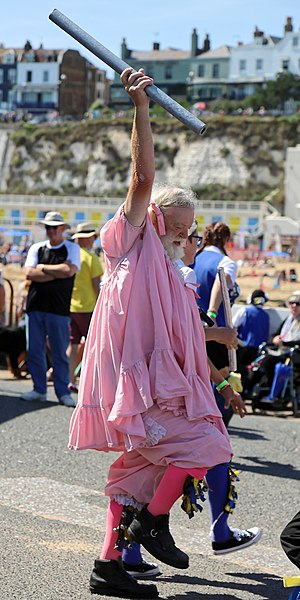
(145, 385)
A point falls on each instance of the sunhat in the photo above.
(85, 230)
(54, 219)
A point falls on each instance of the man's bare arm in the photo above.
(143, 169)
(36, 274)
(44, 273)
(222, 335)
(60, 271)
(96, 284)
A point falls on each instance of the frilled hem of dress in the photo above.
(123, 425)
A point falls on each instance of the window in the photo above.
(1, 76)
(79, 216)
(29, 97)
(201, 70)
(216, 219)
(295, 41)
(1, 96)
(45, 76)
(28, 76)
(10, 97)
(216, 70)
(252, 223)
(150, 71)
(12, 75)
(285, 65)
(15, 216)
(259, 64)
(168, 72)
(243, 65)
(46, 97)
(9, 58)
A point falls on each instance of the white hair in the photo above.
(165, 196)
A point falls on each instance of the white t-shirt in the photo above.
(72, 248)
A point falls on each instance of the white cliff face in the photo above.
(201, 163)
(102, 163)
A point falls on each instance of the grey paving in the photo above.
(52, 509)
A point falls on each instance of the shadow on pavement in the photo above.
(268, 467)
(262, 585)
(12, 407)
(246, 433)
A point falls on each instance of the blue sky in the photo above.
(168, 21)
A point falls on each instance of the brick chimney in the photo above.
(194, 48)
(289, 25)
(125, 52)
(206, 45)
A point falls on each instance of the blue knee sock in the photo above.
(132, 554)
(218, 481)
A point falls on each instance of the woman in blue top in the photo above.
(211, 255)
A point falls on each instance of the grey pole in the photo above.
(118, 65)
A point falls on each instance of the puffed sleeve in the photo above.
(118, 235)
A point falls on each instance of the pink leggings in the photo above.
(168, 491)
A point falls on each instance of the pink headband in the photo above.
(160, 218)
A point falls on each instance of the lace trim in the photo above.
(154, 432)
(126, 501)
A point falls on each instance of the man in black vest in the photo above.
(50, 266)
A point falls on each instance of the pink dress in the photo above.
(145, 385)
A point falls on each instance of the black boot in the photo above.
(154, 534)
(108, 578)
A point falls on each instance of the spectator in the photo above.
(211, 255)
(84, 295)
(287, 335)
(252, 323)
(50, 266)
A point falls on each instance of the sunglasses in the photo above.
(51, 227)
(295, 303)
(197, 237)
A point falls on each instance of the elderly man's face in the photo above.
(178, 220)
(295, 308)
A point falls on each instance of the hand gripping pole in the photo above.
(118, 65)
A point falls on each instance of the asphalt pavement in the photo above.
(52, 508)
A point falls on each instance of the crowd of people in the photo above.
(154, 338)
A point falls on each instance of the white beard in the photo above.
(173, 251)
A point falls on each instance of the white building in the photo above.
(292, 183)
(261, 60)
(37, 85)
(24, 212)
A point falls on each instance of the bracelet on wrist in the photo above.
(212, 314)
(222, 385)
(226, 387)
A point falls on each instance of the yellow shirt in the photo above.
(83, 295)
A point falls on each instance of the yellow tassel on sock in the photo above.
(291, 581)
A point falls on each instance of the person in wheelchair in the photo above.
(252, 323)
(284, 345)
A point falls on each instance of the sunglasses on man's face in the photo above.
(51, 227)
(294, 303)
(198, 237)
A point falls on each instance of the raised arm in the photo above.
(143, 170)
